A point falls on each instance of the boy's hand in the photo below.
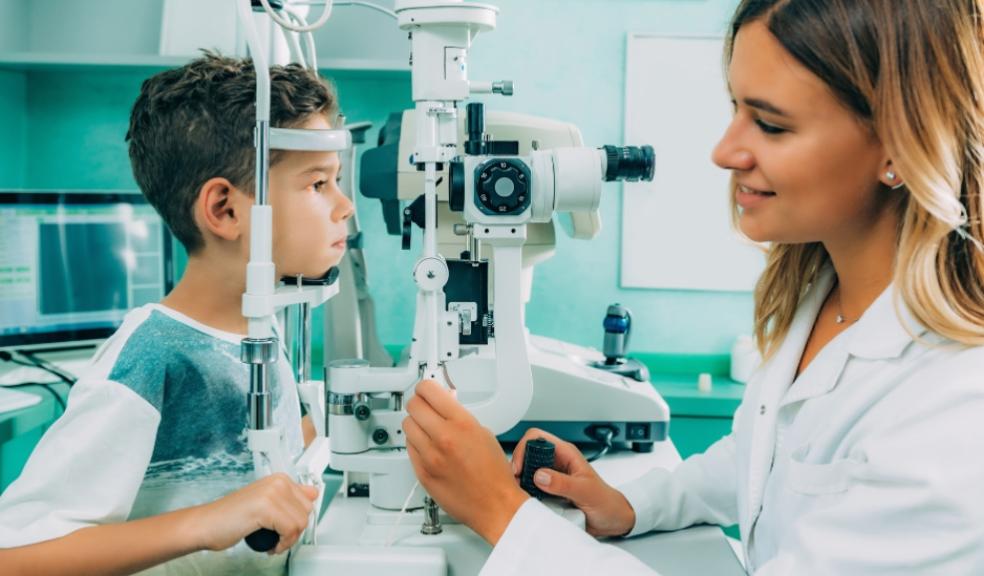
(460, 463)
(606, 511)
(275, 502)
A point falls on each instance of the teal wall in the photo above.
(77, 121)
(567, 58)
(13, 129)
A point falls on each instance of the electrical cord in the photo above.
(48, 367)
(325, 14)
(390, 535)
(603, 434)
(8, 357)
(370, 5)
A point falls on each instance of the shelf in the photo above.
(55, 61)
(51, 60)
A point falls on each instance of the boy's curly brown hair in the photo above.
(196, 122)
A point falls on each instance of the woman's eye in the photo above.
(769, 128)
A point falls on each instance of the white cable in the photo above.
(312, 51)
(293, 42)
(362, 3)
(259, 62)
(406, 503)
(325, 14)
(310, 54)
(370, 5)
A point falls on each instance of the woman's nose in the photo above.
(731, 152)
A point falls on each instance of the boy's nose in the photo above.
(343, 209)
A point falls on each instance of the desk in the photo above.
(699, 550)
(697, 419)
(20, 430)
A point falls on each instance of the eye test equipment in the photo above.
(469, 190)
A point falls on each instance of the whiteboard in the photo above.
(676, 230)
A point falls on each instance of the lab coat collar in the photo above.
(879, 334)
(782, 373)
(782, 367)
(886, 328)
(775, 379)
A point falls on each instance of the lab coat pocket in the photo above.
(821, 478)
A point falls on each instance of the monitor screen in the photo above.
(73, 263)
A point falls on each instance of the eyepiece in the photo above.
(631, 163)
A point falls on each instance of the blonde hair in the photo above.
(913, 72)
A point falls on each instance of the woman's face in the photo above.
(807, 170)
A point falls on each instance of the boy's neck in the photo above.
(211, 291)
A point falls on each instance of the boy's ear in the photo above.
(221, 209)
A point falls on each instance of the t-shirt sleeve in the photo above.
(86, 470)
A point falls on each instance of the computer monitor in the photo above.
(73, 263)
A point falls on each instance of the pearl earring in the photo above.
(891, 175)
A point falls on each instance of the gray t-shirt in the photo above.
(156, 423)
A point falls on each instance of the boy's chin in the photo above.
(314, 272)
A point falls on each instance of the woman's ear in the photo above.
(221, 209)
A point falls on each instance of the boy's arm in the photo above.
(308, 430)
(274, 502)
(108, 549)
(86, 470)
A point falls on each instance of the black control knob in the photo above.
(539, 454)
(503, 186)
(263, 540)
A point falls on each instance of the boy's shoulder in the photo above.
(155, 345)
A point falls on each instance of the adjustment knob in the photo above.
(502, 186)
(539, 454)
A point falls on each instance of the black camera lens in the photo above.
(631, 163)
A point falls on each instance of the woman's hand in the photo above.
(606, 511)
(460, 463)
(275, 502)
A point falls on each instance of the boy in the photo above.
(158, 421)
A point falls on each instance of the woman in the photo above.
(857, 151)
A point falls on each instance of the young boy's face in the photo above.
(309, 210)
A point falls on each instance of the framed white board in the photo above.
(676, 230)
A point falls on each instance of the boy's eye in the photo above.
(769, 128)
(319, 185)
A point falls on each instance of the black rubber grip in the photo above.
(539, 454)
(263, 540)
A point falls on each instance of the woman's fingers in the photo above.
(567, 457)
(424, 416)
(416, 437)
(441, 400)
(574, 488)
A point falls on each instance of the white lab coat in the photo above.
(870, 462)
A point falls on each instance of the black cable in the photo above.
(603, 434)
(8, 357)
(50, 368)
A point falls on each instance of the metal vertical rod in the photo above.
(432, 518)
(262, 153)
(304, 343)
(260, 412)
